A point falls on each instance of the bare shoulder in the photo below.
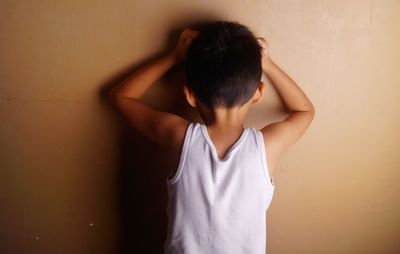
(177, 134)
(280, 136)
(171, 130)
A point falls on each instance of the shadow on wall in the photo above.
(142, 193)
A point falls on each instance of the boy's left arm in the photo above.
(161, 127)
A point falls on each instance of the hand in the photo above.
(184, 42)
(266, 60)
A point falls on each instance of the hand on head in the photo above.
(184, 42)
(266, 60)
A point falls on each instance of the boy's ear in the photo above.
(258, 95)
(191, 99)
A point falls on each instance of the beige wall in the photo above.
(73, 181)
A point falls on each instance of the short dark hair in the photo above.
(223, 64)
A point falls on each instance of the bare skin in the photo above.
(224, 126)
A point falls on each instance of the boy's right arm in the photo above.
(281, 135)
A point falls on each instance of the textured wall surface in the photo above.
(75, 179)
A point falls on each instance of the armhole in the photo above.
(261, 145)
(182, 159)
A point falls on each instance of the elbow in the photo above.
(312, 113)
(113, 95)
(113, 98)
(312, 109)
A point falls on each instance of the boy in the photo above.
(221, 176)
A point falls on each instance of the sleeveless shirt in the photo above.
(219, 206)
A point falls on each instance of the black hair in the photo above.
(223, 64)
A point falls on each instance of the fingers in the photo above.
(262, 41)
(190, 33)
(187, 36)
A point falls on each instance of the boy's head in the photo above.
(223, 65)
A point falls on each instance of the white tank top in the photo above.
(219, 206)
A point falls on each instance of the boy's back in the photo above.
(219, 205)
